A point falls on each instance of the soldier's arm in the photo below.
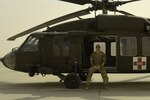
(91, 60)
(103, 60)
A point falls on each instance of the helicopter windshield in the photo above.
(31, 45)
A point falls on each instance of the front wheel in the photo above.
(72, 81)
(31, 72)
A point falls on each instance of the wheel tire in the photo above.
(72, 81)
(31, 74)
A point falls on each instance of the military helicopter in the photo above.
(66, 47)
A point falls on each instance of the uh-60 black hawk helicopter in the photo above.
(66, 47)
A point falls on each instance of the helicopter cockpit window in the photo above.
(146, 46)
(128, 46)
(31, 45)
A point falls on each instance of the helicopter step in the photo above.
(109, 69)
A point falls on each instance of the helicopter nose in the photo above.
(1, 59)
(9, 60)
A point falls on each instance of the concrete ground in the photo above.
(19, 86)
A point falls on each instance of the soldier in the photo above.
(97, 61)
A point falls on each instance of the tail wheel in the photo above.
(72, 81)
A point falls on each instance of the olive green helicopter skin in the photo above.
(66, 47)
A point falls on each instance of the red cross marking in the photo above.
(139, 63)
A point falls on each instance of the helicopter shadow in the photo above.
(39, 91)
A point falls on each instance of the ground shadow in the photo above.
(56, 89)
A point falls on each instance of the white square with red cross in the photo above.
(139, 63)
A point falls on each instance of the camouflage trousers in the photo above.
(103, 72)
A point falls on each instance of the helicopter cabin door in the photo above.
(133, 55)
(108, 46)
(55, 52)
(61, 52)
(129, 54)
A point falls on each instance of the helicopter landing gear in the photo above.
(31, 72)
(83, 76)
(62, 77)
(72, 81)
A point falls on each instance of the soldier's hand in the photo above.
(97, 67)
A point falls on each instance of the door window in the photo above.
(128, 46)
(65, 46)
(113, 49)
(56, 45)
(61, 46)
(146, 46)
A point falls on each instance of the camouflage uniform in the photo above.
(97, 61)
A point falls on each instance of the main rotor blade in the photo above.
(52, 22)
(80, 2)
(124, 12)
(117, 3)
(148, 21)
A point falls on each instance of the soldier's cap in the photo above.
(98, 46)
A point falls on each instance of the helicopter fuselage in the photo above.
(66, 48)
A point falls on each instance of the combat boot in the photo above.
(86, 88)
(105, 87)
